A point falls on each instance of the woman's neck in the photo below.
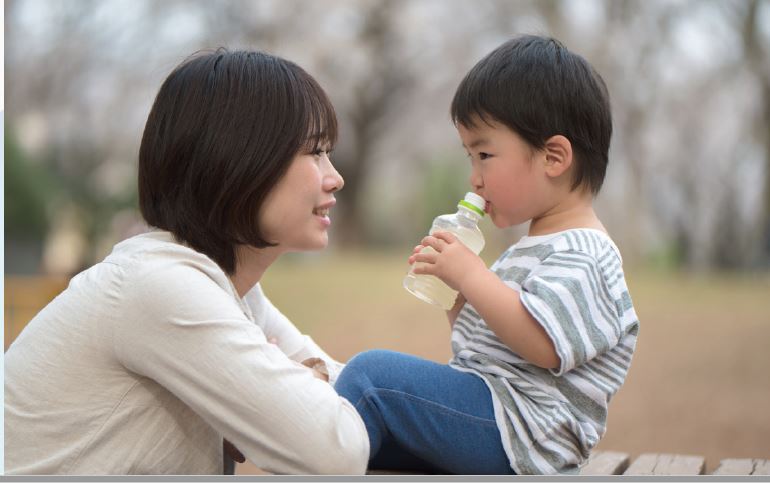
(251, 264)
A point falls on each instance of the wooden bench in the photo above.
(615, 463)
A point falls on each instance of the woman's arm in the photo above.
(194, 340)
(279, 329)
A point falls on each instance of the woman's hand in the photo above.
(233, 452)
(318, 366)
(449, 259)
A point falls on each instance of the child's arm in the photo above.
(452, 313)
(501, 308)
(497, 303)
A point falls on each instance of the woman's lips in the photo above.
(323, 215)
(487, 207)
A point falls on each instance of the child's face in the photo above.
(507, 172)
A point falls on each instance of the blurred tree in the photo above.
(724, 117)
(72, 93)
(756, 46)
(28, 189)
(374, 103)
(688, 81)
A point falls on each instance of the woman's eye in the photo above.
(483, 155)
(322, 151)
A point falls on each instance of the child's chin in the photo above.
(504, 223)
(499, 222)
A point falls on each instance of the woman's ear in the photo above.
(558, 155)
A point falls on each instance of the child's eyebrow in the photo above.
(476, 143)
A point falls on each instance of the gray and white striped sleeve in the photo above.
(569, 296)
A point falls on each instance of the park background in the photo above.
(687, 193)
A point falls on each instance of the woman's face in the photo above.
(296, 212)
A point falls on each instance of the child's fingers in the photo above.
(424, 269)
(427, 257)
(446, 236)
(433, 242)
(417, 249)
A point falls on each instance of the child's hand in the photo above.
(450, 260)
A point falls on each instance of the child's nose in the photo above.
(476, 180)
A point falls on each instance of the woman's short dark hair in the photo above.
(538, 89)
(222, 132)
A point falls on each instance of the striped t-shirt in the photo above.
(572, 283)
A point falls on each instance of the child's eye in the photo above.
(480, 156)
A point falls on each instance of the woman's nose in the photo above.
(332, 180)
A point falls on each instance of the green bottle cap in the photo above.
(473, 202)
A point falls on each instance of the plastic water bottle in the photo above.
(464, 225)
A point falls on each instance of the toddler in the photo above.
(543, 339)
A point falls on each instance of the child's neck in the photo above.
(575, 210)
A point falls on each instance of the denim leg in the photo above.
(393, 456)
(436, 414)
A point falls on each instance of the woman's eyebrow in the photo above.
(317, 140)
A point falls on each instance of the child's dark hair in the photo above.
(538, 88)
(222, 132)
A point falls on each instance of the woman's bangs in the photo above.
(321, 121)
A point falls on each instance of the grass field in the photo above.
(699, 382)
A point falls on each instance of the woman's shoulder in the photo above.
(155, 262)
(159, 248)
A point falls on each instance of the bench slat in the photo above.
(743, 467)
(667, 464)
(605, 463)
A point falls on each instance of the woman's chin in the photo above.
(315, 244)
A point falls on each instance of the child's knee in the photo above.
(371, 360)
(362, 372)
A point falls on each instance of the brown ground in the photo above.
(699, 383)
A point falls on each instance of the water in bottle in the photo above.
(464, 226)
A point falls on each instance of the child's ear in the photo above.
(558, 155)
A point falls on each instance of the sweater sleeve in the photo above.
(190, 336)
(296, 345)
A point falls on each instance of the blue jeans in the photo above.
(423, 416)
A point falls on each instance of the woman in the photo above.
(153, 356)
